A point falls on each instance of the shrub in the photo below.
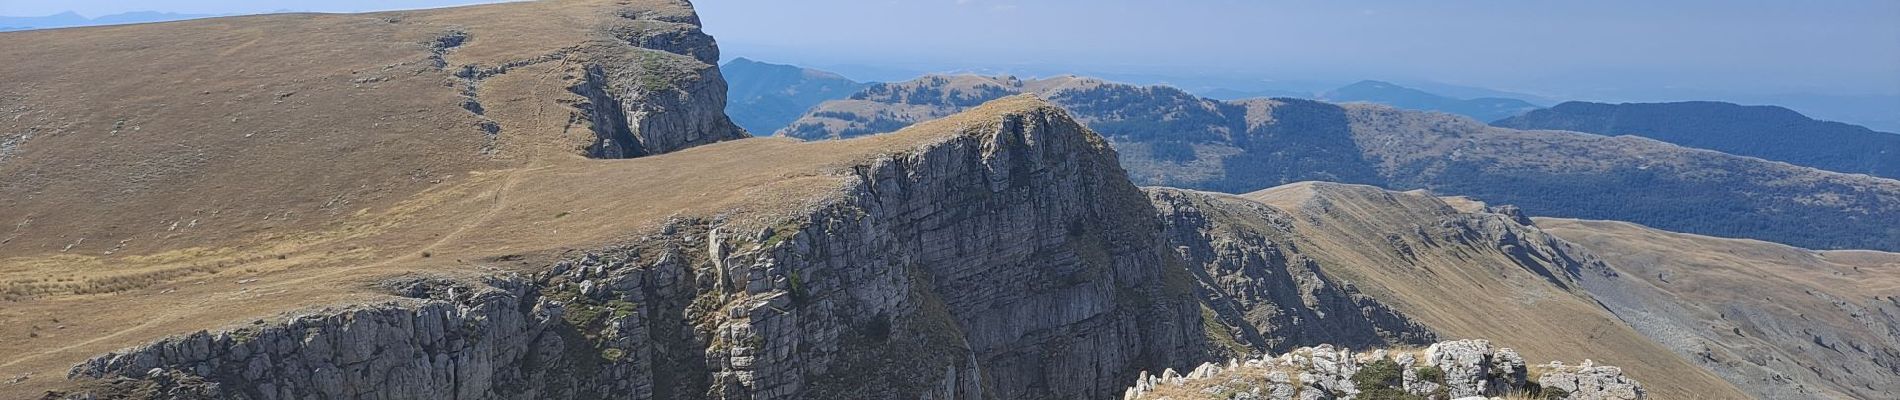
(1430, 374)
(1382, 380)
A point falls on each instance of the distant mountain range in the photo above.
(763, 97)
(1169, 137)
(1488, 108)
(1769, 132)
(1237, 94)
(1483, 109)
(72, 19)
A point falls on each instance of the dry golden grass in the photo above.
(248, 167)
(1742, 302)
(482, 222)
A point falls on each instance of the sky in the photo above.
(1599, 49)
(96, 8)
(1831, 46)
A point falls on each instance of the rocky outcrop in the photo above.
(1007, 256)
(1448, 370)
(1589, 381)
(486, 341)
(657, 90)
(1473, 368)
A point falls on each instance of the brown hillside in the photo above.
(241, 167)
(1758, 313)
(66, 307)
(233, 128)
(1476, 275)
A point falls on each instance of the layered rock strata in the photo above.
(1008, 257)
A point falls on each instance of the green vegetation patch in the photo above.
(1220, 334)
(1382, 380)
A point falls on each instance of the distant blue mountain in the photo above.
(1768, 132)
(1235, 94)
(1473, 92)
(763, 97)
(1483, 109)
(71, 19)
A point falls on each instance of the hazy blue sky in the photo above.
(1563, 48)
(95, 8)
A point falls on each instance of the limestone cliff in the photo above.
(658, 89)
(1005, 256)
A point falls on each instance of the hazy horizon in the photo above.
(1755, 51)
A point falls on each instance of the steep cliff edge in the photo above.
(1000, 253)
(1356, 266)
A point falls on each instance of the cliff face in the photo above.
(1256, 281)
(658, 89)
(1009, 258)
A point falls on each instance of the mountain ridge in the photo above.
(764, 97)
(1171, 138)
(1768, 132)
(1482, 108)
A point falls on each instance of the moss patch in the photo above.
(1382, 380)
(1219, 334)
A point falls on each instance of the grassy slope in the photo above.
(1755, 309)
